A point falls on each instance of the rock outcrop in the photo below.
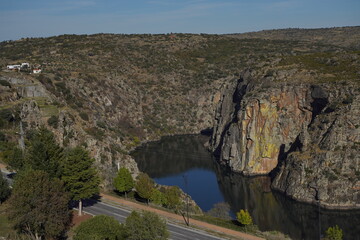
(307, 136)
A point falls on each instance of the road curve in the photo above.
(176, 232)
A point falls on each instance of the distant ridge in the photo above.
(340, 36)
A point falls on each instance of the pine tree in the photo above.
(144, 186)
(44, 153)
(39, 204)
(79, 176)
(124, 182)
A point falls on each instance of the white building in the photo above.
(36, 70)
(13, 67)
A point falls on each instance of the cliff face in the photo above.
(256, 123)
(307, 136)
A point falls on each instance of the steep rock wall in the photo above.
(306, 136)
(256, 123)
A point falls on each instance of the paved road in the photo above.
(176, 232)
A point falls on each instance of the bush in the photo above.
(145, 226)
(53, 121)
(243, 217)
(98, 228)
(84, 116)
(334, 233)
(5, 83)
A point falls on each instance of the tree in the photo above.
(99, 228)
(124, 182)
(80, 178)
(44, 153)
(39, 204)
(334, 233)
(243, 217)
(144, 186)
(145, 226)
(158, 197)
(172, 195)
(4, 189)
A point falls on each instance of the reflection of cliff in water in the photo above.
(273, 211)
(173, 155)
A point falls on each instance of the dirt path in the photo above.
(179, 218)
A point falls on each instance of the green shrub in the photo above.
(243, 217)
(53, 121)
(334, 233)
(84, 116)
(98, 228)
(5, 83)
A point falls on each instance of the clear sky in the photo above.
(42, 18)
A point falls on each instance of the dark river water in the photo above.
(184, 161)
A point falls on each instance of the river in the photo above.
(185, 162)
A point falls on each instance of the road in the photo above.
(176, 232)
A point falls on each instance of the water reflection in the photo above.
(172, 157)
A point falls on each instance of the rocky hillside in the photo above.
(298, 122)
(110, 92)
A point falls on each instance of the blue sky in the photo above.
(42, 18)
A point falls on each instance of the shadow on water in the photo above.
(172, 157)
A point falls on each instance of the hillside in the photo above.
(110, 92)
(340, 36)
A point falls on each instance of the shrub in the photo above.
(334, 233)
(53, 121)
(243, 217)
(98, 228)
(84, 116)
(5, 83)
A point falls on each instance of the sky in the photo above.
(43, 18)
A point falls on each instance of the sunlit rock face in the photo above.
(263, 121)
(306, 135)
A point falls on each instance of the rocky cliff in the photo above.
(304, 132)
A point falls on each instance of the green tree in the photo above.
(39, 204)
(99, 228)
(172, 195)
(4, 189)
(158, 197)
(145, 226)
(44, 153)
(243, 217)
(80, 178)
(144, 186)
(124, 182)
(334, 233)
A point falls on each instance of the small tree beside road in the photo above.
(145, 226)
(79, 176)
(123, 182)
(144, 186)
(99, 228)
